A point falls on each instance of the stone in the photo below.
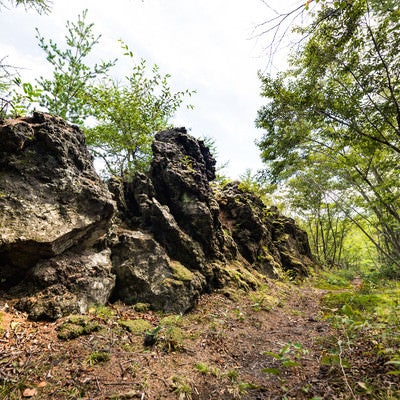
(51, 198)
(181, 171)
(66, 284)
(265, 238)
(145, 274)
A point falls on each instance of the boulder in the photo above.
(66, 284)
(51, 198)
(145, 274)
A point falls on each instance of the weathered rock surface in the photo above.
(50, 195)
(66, 284)
(145, 274)
(181, 170)
(264, 237)
(205, 231)
(172, 237)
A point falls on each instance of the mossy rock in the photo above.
(136, 326)
(173, 339)
(232, 294)
(171, 283)
(240, 277)
(75, 326)
(180, 272)
(263, 301)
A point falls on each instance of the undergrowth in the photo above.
(363, 357)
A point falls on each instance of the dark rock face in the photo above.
(203, 230)
(180, 172)
(50, 195)
(66, 284)
(64, 247)
(264, 237)
(145, 274)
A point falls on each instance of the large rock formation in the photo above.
(203, 230)
(173, 237)
(51, 198)
(265, 238)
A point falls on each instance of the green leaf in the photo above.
(290, 363)
(273, 371)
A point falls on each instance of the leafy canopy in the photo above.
(332, 120)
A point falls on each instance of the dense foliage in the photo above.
(119, 117)
(332, 124)
(129, 114)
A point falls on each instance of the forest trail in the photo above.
(266, 344)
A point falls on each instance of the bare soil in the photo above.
(234, 345)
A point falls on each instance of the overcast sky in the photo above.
(206, 45)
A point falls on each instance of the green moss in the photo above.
(170, 283)
(98, 357)
(241, 277)
(142, 307)
(103, 312)
(180, 272)
(136, 326)
(171, 320)
(331, 281)
(263, 301)
(173, 339)
(359, 302)
(75, 326)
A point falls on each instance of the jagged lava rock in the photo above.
(66, 284)
(181, 170)
(50, 195)
(145, 274)
(264, 237)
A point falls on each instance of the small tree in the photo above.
(128, 115)
(65, 93)
(123, 116)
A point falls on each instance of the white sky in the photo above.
(205, 45)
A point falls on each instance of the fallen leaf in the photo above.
(29, 392)
(42, 384)
(14, 324)
(363, 385)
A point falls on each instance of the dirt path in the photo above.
(260, 345)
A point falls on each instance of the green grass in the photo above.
(366, 317)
